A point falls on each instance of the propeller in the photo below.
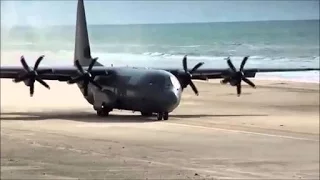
(32, 75)
(236, 77)
(85, 76)
(187, 77)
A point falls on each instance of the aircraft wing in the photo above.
(230, 75)
(232, 71)
(74, 74)
(66, 73)
(46, 73)
(216, 73)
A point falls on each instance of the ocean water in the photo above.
(278, 44)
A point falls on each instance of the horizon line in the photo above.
(169, 23)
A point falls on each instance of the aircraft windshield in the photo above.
(159, 81)
(163, 81)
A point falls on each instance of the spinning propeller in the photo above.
(32, 75)
(236, 77)
(188, 74)
(85, 76)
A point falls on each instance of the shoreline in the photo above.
(286, 80)
(5, 27)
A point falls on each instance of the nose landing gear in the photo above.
(163, 115)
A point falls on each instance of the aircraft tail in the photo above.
(82, 50)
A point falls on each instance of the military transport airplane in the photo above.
(147, 90)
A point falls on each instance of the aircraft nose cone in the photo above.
(162, 101)
(171, 99)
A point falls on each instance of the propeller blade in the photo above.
(236, 77)
(85, 88)
(85, 76)
(194, 88)
(231, 65)
(196, 67)
(37, 63)
(248, 82)
(184, 63)
(31, 76)
(187, 76)
(243, 62)
(239, 89)
(42, 82)
(24, 64)
(92, 63)
(31, 89)
(79, 66)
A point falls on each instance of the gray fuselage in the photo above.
(137, 89)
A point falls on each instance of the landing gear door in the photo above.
(104, 97)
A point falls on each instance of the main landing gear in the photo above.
(163, 115)
(103, 111)
(160, 115)
(146, 114)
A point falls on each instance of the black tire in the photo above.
(102, 113)
(165, 116)
(106, 113)
(159, 116)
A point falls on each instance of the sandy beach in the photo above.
(271, 132)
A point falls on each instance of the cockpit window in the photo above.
(161, 81)
(157, 81)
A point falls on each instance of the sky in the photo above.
(42, 13)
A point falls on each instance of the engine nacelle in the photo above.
(233, 82)
(27, 82)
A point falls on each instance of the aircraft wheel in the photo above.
(99, 113)
(165, 116)
(102, 113)
(159, 116)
